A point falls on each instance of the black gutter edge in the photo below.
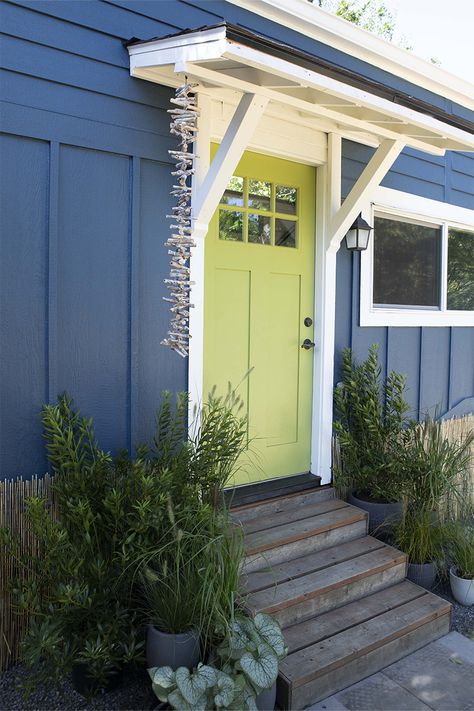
(308, 61)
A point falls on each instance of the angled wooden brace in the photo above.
(236, 138)
(372, 175)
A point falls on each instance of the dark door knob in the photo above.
(307, 344)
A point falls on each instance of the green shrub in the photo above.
(371, 416)
(84, 600)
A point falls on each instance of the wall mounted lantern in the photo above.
(357, 237)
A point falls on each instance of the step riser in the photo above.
(305, 546)
(360, 668)
(267, 508)
(342, 595)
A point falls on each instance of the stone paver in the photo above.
(439, 676)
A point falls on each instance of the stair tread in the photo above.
(254, 509)
(288, 510)
(337, 650)
(304, 634)
(260, 541)
(292, 592)
(295, 568)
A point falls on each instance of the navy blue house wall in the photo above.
(85, 180)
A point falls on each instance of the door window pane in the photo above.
(406, 263)
(260, 194)
(234, 193)
(461, 270)
(285, 200)
(260, 229)
(231, 226)
(285, 233)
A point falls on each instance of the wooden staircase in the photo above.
(341, 596)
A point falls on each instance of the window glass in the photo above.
(285, 233)
(285, 200)
(461, 270)
(259, 229)
(234, 193)
(407, 259)
(231, 226)
(260, 195)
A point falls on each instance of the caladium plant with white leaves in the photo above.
(244, 664)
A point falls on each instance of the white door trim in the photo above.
(332, 220)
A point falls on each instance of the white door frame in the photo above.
(332, 222)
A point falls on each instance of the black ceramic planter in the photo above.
(172, 650)
(87, 686)
(265, 700)
(381, 515)
(422, 574)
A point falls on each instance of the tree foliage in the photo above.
(372, 15)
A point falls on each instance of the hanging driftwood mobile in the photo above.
(183, 125)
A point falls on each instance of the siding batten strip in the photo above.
(52, 283)
(134, 232)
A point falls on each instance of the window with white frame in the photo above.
(419, 268)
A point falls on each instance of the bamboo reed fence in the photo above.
(13, 494)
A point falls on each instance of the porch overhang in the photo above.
(225, 58)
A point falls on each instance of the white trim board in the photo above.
(404, 205)
(311, 21)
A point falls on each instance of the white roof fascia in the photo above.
(311, 21)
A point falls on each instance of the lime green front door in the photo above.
(258, 309)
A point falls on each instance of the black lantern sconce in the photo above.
(357, 238)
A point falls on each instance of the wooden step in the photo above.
(271, 489)
(319, 582)
(343, 646)
(270, 576)
(289, 502)
(301, 534)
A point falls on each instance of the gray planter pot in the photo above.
(265, 700)
(422, 574)
(381, 515)
(172, 650)
(462, 588)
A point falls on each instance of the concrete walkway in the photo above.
(439, 676)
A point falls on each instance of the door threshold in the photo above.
(270, 489)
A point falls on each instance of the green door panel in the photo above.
(259, 287)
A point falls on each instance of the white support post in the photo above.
(371, 177)
(236, 138)
(332, 221)
(328, 201)
(202, 153)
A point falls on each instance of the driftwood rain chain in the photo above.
(184, 125)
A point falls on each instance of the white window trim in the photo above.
(396, 203)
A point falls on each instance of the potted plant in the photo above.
(190, 580)
(420, 535)
(370, 419)
(242, 674)
(170, 587)
(461, 550)
(433, 470)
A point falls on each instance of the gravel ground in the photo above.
(135, 691)
(463, 617)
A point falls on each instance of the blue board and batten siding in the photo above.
(85, 182)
